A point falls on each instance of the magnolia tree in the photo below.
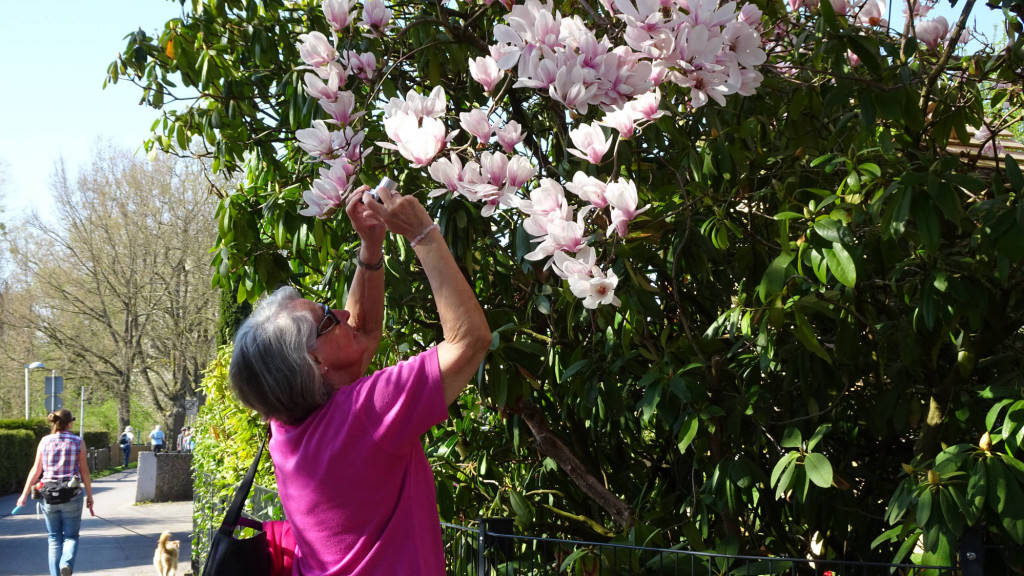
(746, 293)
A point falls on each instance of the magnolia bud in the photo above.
(986, 442)
(908, 468)
(933, 478)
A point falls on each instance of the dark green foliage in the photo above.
(38, 427)
(820, 311)
(99, 439)
(230, 315)
(17, 452)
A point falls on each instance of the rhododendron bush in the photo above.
(753, 269)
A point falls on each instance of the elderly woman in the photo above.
(355, 484)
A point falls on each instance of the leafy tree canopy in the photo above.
(804, 328)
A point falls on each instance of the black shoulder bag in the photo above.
(230, 556)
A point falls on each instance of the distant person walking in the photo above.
(60, 463)
(125, 442)
(156, 438)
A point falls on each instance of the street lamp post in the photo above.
(27, 368)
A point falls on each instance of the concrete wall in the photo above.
(165, 477)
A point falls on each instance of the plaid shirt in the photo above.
(60, 456)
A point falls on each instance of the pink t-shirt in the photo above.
(355, 483)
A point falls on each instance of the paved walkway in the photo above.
(118, 541)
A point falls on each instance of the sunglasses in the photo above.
(329, 321)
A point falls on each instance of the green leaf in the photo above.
(924, 508)
(818, 469)
(841, 264)
(1013, 175)
(791, 438)
(774, 279)
(805, 334)
(818, 435)
(781, 465)
(927, 223)
(522, 507)
(688, 432)
(1013, 427)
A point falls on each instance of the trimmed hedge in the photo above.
(39, 427)
(100, 439)
(17, 451)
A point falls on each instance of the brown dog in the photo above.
(165, 559)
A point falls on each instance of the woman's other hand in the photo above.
(403, 215)
(365, 222)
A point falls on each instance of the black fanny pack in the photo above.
(56, 492)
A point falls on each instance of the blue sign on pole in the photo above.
(53, 385)
(54, 402)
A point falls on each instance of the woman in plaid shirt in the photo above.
(60, 457)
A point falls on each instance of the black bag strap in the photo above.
(231, 519)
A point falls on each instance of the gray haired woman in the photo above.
(355, 484)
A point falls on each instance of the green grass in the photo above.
(114, 470)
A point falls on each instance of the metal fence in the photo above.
(484, 552)
(491, 549)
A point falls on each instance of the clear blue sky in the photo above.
(53, 60)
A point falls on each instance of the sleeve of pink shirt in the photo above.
(402, 402)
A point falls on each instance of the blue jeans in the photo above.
(62, 524)
(127, 454)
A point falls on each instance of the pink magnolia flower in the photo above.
(623, 120)
(316, 140)
(338, 173)
(341, 109)
(536, 70)
(376, 16)
(597, 289)
(921, 8)
(485, 71)
(316, 88)
(447, 172)
(750, 14)
(349, 144)
(534, 23)
(546, 204)
(871, 13)
(316, 50)
(338, 13)
(647, 105)
(519, 172)
(581, 264)
(990, 146)
(494, 168)
(622, 198)
(323, 199)
(571, 89)
(418, 141)
(510, 135)
(932, 32)
(561, 235)
(361, 65)
(708, 13)
(588, 188)
(853, 58)
(590, 141)
(432, 106)
(841, 7)
(745, 43)
(475, 122)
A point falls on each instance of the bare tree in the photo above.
(120, 282)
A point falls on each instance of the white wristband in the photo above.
(423, 234)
